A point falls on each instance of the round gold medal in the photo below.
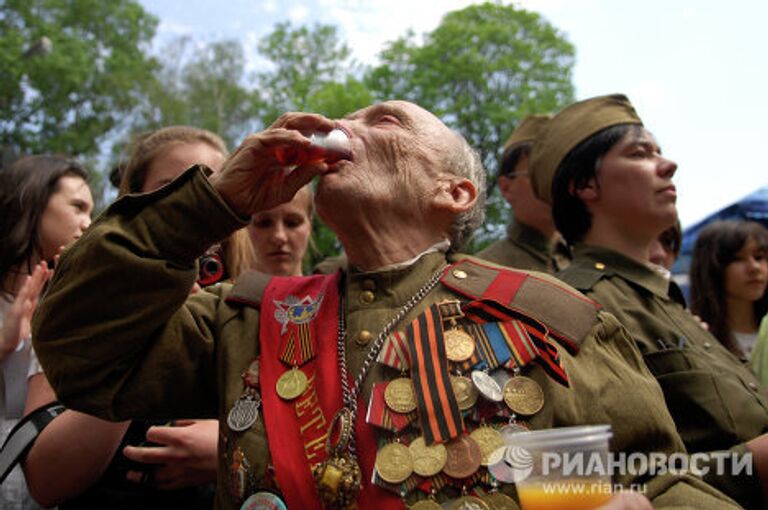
(426, 504)
(491, 444)
(427, 460)
(459, 346)
(499, 501)
(523, 395)
(464, 457)
(291, 384)
(465, 391)
(394, 463)
(400, 396)
(467, 503)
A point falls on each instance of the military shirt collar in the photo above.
(528, 236)
(613, 262)
(399, 283)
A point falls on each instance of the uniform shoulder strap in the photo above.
(249, 288)
(582, 277)
(564, 310)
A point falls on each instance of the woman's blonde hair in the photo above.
(237, 251)
(147, 146)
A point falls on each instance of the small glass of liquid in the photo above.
(327, 147)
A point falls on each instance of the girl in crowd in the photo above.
(45, 204)
(280, 236)
(729, 274)
(147, 465)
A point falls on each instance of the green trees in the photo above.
(482, 70)
(85, 74)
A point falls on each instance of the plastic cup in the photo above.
(561, 468)
(328, 147)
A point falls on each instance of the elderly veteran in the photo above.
(612, 195)
(532, 241)
(320, 382)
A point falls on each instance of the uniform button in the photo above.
(369, 284)
(707, 345)
(363, 338)
(367, 297)
(753, 385)
(599, 265)
(458, 273)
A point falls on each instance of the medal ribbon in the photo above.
(526, 337)
(439, 414)
(298, 347)
(395, 352)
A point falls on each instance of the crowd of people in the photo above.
(199, 368)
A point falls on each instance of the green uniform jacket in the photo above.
(716, 400)
(119, 336)
(526, 248)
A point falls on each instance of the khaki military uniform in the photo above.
(716, 400)
(526, 248)
(120, 338)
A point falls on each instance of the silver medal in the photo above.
(487, 386)
(244, 413)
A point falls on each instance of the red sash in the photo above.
(296, 430)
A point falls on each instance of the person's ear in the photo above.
(587, 193)
(455, 194)
(505, 186)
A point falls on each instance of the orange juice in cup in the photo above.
(558, 469)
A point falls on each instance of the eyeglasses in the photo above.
(514, 174)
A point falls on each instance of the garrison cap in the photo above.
(527, 131)
(568, 129)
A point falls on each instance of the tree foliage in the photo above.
(201, 85)
(482, 70)
(304, 62)
(66, 92)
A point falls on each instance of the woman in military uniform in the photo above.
(612, 194)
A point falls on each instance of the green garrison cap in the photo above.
(568, 129)
(527, 131)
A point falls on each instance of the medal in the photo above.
(459, 346)
(499, 501)
(338, 478)
(487, 386)
(426, 504)
(400, 395)
(245, 412)
(427, 460)
(291, 384)
(523, 395)
(468, 503)
(465, 391)
(491, 444)
(463, 459)
(264, 500)
(394, 463)
(511, 429)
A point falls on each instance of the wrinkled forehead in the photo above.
(404, 110)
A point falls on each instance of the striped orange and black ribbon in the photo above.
(439, 415)
(298, 348)
(534, 344)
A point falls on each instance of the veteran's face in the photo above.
(635, 186)
(395, 155)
